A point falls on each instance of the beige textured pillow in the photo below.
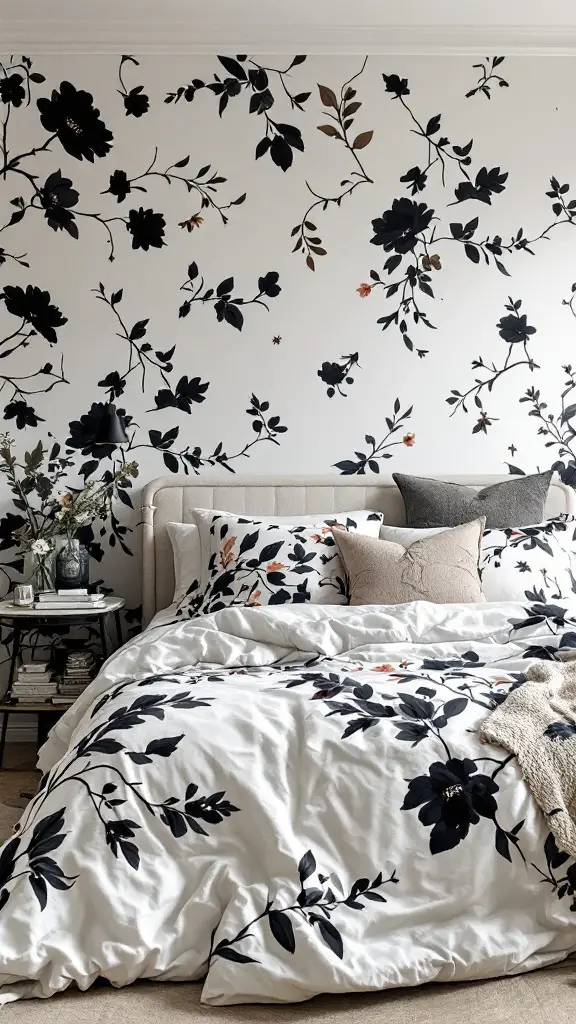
(442, 568)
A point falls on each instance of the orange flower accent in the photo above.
(227, 556)
(275, 567)
(253, 599)
(364, 290)
(409, 440)
(318, 538)
(383, 668)
(195, 221)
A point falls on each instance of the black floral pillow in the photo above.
(251, 562)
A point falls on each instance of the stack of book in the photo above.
(34, 684)
(69, 600)
(78, 672)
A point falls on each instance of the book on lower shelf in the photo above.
(18, 687)
(34, 683)
(34, 701)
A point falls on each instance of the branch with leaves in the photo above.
(441, 151)
(227, 308)
(516, 332)
(340, 110)
(411, 229)
(266, 428)
(380, 450)
(204, 183)
(246, 75)
(37, 838)
(15, 91)
(487, 77)
(141, 357)
(558, 428)
(314, 904)
(37, 315)
(407, 229)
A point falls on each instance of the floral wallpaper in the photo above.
(304, 265)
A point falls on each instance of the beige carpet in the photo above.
(535, 998)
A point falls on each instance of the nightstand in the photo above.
(23, 620)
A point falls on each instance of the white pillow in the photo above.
(407, 535)
(185, 541)
(186, 548)
(247, 561)
(530, 563)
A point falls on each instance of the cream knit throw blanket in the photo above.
(537, 723)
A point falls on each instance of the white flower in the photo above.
(61, 514)
(65, 498)
(40, 547)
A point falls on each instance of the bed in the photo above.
(283, 801)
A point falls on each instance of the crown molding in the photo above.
(191, 37)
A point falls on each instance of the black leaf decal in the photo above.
(282, 930)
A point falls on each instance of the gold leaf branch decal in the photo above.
(341, 112)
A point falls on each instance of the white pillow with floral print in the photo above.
(262, 562)
(530, 563)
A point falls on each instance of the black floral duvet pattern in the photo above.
(303, 791)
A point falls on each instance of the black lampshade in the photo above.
(111, 429)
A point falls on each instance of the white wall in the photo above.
(526, 129)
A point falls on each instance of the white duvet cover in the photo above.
(288, 801)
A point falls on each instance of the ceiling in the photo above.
(288, 26)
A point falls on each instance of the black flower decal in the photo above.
(515, 329)
(71, 115)
(35, 308)
(397, 229)
(57, 196)
(119, 185)
(146, 228)
(336, 374)
(12, 91)
(136, 101)
(451, 798)
(268, 285)
(23, 413)
(396, 85)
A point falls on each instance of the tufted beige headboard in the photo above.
(170, 499)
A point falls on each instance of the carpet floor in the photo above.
(534, 998)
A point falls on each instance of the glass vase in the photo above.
(40, 570)
(72, 565)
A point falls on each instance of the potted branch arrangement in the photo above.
(47, 513)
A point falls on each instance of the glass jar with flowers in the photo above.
(32, 482)
(44, 515)
(78, 508)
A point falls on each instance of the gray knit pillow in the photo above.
(516, 502)
(442, 568)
